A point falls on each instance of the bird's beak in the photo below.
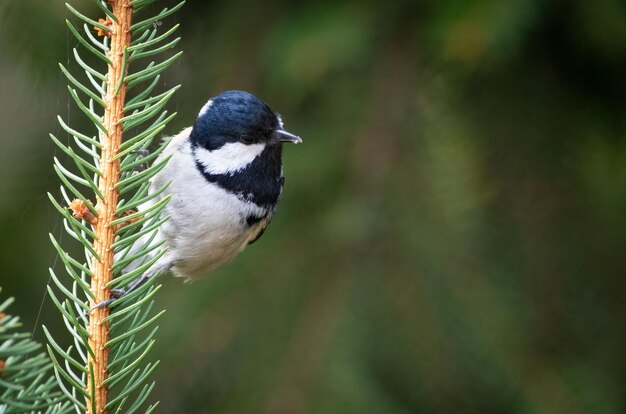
(283, 136)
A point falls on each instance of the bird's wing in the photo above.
(160, 179)
(258, 235)
(260, 229)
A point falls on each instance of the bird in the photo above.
(226, 181)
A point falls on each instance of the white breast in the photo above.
(207, 225)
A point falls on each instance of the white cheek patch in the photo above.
(229, 158)
(280, 121)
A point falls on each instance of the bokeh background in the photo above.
(452, 233)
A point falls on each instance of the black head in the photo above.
(238, 116)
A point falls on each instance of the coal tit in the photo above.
(226, 179)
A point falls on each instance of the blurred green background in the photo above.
(452, 233)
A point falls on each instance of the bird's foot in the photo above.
(115, 295)
(135, 284)
(140, 153)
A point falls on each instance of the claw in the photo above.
(142, 152)
(115, 294)
(103, 304)
(134, 285)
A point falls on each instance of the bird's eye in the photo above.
(246, 139)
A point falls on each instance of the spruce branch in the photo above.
(26, 383)
(105, 370)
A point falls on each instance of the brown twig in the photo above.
(105, 207)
